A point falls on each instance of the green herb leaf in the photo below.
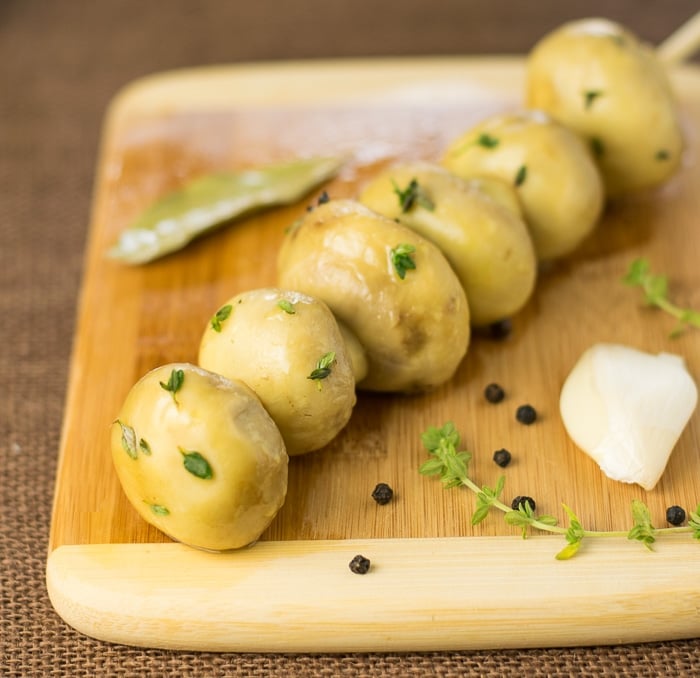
(546, 519)
(575, 531)
(212, 200)
(323, 367)
(694, 522)
(287, 306)
(128, 439)
(145, 447)
(431, 467)
(196, 464)
(520, 518)
(159, 510)
(643, 530)
(220, 316)
(662, 155)
(569, 551)
(637, 272)
(520, 176)
(413, 195)
(487, 141)
(446, 461)
(174, 383)
(590, 96)
(486, 499)
(433, 438)
(655, 289)
(402, 259)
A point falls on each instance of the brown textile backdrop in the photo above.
(60, 63)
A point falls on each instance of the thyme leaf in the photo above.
(486, 140)
(220, 316)
(196, 464)
(174, 383)
(323, 368)
(642, 530)
(694, 523)
(520, 176)
(590, 96)
(287, 306)
(128, 439)
(485, 500)
(413, 195)
(402, 259)
(655, 289)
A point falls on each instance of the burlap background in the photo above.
(60, 63)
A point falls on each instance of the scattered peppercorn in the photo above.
(526, 414)
(521, 501)
(494, 393)
(382, 494)
(359, 565)
(322, 199)
(675, 515)
(501, 329)
(502, 457)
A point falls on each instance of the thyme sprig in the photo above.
(413, 195)
(452, 466)
(655, 288)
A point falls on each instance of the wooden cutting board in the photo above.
(436, 582)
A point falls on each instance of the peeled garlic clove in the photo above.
(627, 409)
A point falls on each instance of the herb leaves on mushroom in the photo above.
(220, 316)
(174, 383)
(323, 367)
(402, 259)
(413, 195)
(196, 464)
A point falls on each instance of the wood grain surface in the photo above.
(165, 130)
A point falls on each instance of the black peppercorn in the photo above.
(675, 515)
(494, 393)
(359, 565)
(502, 457)
(526, 414)
(521, 501)
(500, 330)
(323, 198)
(382, 494)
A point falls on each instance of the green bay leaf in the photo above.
(209, 201)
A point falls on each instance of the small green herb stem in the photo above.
(678, 313)
(558, 529)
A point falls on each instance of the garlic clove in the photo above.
(626, 409)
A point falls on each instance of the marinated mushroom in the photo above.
(552, 170)
(287, 347)
(485, 241)
(199, 458)
(393, 288)
(356, 352)
(598, 79)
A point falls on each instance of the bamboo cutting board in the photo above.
(436, 582)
